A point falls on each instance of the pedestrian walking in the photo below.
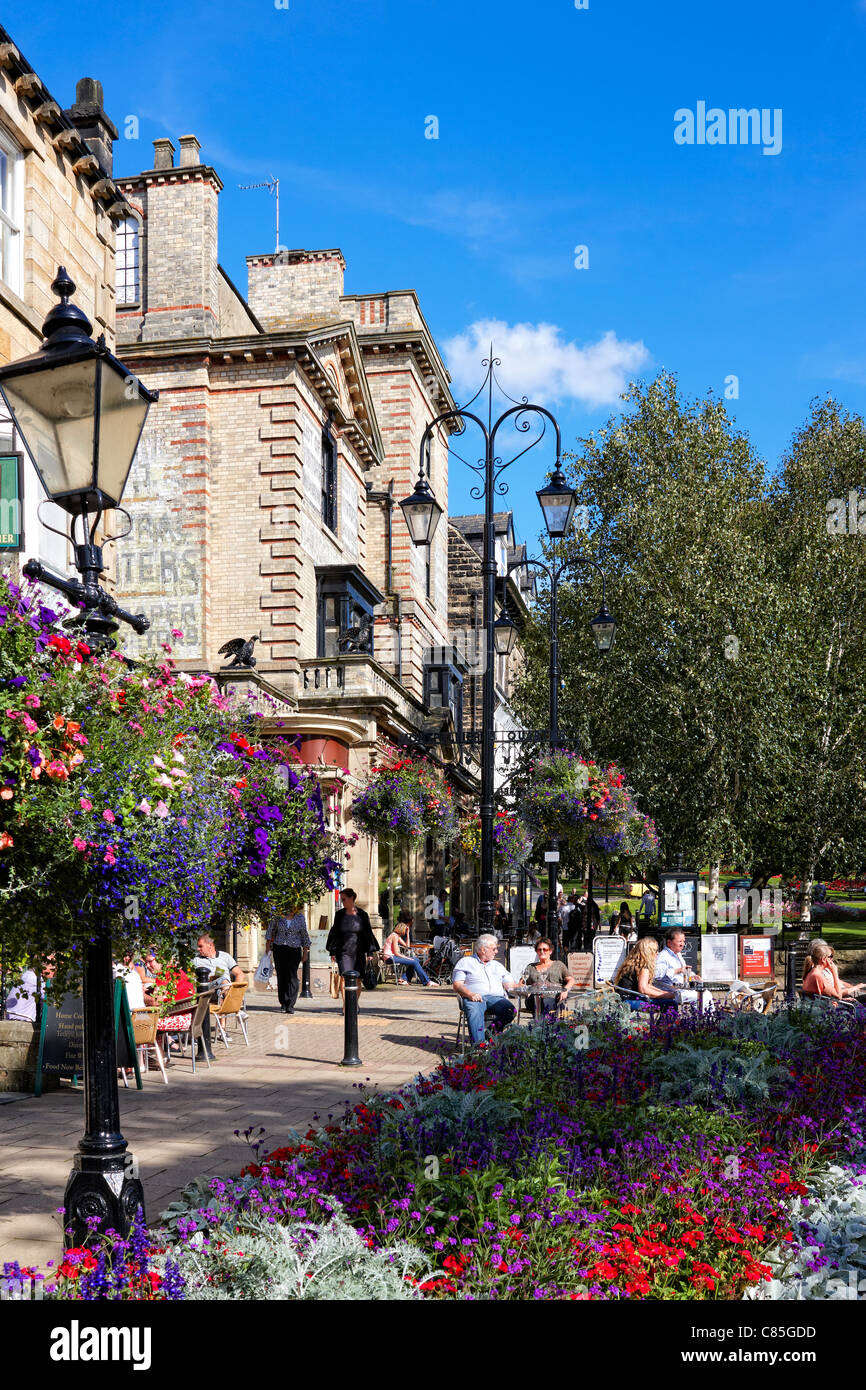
(647, 912)
(350, 940)
(288, 942)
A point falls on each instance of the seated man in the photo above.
(480, 982)
(219, 964)
(672, 972)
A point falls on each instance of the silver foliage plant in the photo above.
(835, 1214)
(296, 1260)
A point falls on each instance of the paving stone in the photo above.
(180, 1131)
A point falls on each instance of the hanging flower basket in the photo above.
(405, 800)
(589, 809)
(512, 841)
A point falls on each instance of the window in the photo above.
(127, 262)
(443, 689)
(11, 177)
(329, 478)
(346, 611)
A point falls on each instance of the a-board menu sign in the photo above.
(719, 959)
(579, 966)
(607, 952)
(520, 958)
(678, 900)
(757, 961)
(61, 1037)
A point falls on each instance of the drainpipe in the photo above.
(388, 498)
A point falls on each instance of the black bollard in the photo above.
(352, 985)
(306, 992)
(791, 975)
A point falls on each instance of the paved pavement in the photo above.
(290, 1071)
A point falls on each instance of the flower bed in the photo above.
(701, 1159)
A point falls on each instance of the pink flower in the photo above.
(157, 762)
(79, 844)
(178, 772)
(164, 781)
(79, 738)
(32, 701)
(109, 857)
(144, 806)
(176, 632)
(29, 724)
(182, 820)
(86, 805)
(135, 727)
(12, 713)
(161, 810)
(178, 757)
(109, 816)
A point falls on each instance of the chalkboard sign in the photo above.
(61, 1037)
(61, 1040)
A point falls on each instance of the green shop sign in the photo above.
(11, 501)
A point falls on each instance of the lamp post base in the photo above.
(100, 1185)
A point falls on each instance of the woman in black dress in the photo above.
(350, 940)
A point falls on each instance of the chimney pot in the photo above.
(189, 151)
(163, 154)
(88, 92)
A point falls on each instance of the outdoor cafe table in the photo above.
(521, 992)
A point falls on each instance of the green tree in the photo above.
(677, 519)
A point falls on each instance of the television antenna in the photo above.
(273, 186)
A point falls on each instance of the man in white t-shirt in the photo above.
(480, 981)
(220, 965)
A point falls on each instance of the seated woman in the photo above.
(821, 976)
(633, 980)
(549, 972)
(397, 943)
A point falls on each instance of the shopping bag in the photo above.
(264, 970)
(334, 982)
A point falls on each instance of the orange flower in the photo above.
(6, 841)
(58, 721)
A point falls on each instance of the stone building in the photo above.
(58, 206)
(465, 545)
(264, 495)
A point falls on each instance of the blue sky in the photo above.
(556, 130)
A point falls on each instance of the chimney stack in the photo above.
(190, 149)
(89, 118)
(163, 154)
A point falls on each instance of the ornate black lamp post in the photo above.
(80, 414)
(603, 630)
(422, 513)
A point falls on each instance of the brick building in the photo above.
(58, 206)
(264, 494)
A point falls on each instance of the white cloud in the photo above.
(537, 362)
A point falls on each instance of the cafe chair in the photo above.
(144, 1032)
(195, 1032)
(231, 1006)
